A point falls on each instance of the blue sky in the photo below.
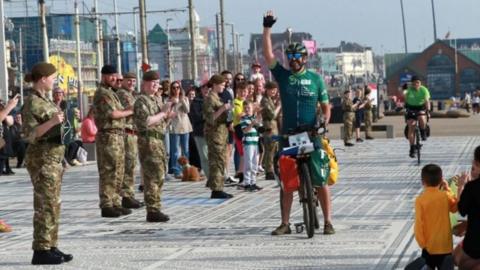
(375, 23)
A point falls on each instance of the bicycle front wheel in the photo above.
(307, 199)
(418, 145)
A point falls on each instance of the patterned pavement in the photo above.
(373, 217)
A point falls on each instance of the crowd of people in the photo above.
(357, 111)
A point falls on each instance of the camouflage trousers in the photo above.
(217, 147)
(46, 171)
(348, 119)
(271, 148)
(111, 167)
(152, 156)
(368, 118)
(131, 152)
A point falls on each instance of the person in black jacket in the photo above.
(469, 205)
(19, 145)
(196, 118)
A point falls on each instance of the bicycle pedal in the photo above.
(299, 227)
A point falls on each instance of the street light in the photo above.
(233, 47)
(169, 65)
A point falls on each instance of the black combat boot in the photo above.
(157, 216)
(110, 212)
(58, 252)
(131, 203)
(269, 176)
(46, 257)
(123, 211)
(220, 195)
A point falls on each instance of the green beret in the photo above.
(151, 76)
(129, 75)
(39, 70)
(217, 79)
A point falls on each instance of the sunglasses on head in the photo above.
(291, 56)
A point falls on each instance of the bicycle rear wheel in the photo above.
(418, 145)
(308, 203)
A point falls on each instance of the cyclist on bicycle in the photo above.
(417, 104)
(301, 91)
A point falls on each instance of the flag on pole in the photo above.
(311, 46)
(447, 35)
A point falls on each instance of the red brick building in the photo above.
(445, 71)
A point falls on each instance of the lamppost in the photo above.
(137, 68)
(434, 23)
(234, 67)
(404, 30)
(169, 62)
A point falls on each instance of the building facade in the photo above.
(444, 70)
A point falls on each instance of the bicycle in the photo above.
(300, 149)
(418, 145)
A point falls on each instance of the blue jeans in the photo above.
(178, 146)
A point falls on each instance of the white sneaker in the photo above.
(261, 169)
(230, 180)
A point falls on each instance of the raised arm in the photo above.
(268, 21)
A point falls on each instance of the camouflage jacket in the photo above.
(144, 107)
(127, 99)
(105, 101)
(347, 105)
(37, 110)
(215, 129)
(268, 114)
(368, 104)
(211, 104)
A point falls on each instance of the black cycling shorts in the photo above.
(414, 111)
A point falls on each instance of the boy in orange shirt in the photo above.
(432, 222)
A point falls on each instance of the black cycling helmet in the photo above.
(415, 78)
(296, 48)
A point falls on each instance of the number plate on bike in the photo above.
(299, 139)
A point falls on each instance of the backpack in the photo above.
(333, 163)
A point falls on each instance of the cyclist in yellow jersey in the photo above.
(417, 104)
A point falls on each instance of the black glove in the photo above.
(269, 21)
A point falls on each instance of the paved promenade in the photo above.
(373, 216)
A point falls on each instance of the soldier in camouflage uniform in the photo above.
(109, 115)
(151, 122)
(126, 96)
(215, 115)
(348, 117)
(270, 111)
(368, 115)
(42, 129)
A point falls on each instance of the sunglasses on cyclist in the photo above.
(296, 56)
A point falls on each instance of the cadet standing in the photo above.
(215, 115)
(43, 130)
(368, 115)
(126, 96)
(110, 117)
(151, 122)
(348, 117)
(270, 111)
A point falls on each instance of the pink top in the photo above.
(89, 129)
